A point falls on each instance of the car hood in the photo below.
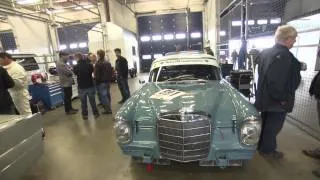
(217, 99)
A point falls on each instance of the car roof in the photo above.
(185, 58)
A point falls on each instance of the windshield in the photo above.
(185, 72)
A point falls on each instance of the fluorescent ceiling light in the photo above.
(236, 23)
(145, 38)
(262, 21)
(146, 56)
(222, 53)
(74, 62)
(156, 37)
(82, 45)
(223, 33)
(195, 35)
(62, 47)
(275, 21)
(73, 46)
(180, 36)
(168, 37)
(156, 56)
(251, 22)
(23, 2)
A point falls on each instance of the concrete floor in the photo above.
(79, 150)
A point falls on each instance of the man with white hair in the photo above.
(279, 77)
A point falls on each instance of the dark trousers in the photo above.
(318, 110)
(272, 123)
(104, 95)
(123, 87)
(84, 94)
(67, 99)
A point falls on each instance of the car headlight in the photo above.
(250, 132)
(122, 131)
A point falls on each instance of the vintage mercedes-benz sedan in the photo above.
(186, 112)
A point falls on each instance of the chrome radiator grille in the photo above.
(184, 138)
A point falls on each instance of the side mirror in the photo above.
(303, 66)
(142, 81)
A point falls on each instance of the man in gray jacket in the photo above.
(65, 74)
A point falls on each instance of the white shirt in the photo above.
(19, 92)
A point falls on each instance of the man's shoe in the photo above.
(71, 112)
(314, 153)
(100, 105)
(316, 173)
(274, 155)
(76, 110)
(121, 102)
(85, 117)
(107, 112)
(96, 116)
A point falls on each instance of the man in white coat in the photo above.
(19, 92)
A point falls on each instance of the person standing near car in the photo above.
(83, 70)
(19, 92)
(6, 82)
(103, 77)
(315, 92)
(122, 75)
(279, 77)
(66, 80)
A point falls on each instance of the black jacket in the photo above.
(122, 67)
(83, 70)
(103, 72)
(6, 82)
(315, 87)
(279, 77)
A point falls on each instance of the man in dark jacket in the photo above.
(86, 88)
(279, 77)
(6, 82)
(315, 92)
(103, 77)
(122, 75)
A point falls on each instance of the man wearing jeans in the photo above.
(65, 75)
(122, 75)
(279, 77)
(84, 71)
(103, 75)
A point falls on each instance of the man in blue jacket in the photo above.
(279, 77)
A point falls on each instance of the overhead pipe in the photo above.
(229, 8)
(79, 5)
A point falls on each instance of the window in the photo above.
(28, 63)
(195, 35)
(180, 36)
(251, 22)
(222, 33)
(146, 57)
(156, 56)
(262, 21)
(62, 47)
(236, 23)
(156, 37)
(168, 37)
(73, 46)
(275, 21)
(188, 72)
(145, 38)
(82, 45)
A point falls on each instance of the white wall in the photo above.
(122, 16)
(117, 38)
(31, 36)
(5, 26)
(210, 24)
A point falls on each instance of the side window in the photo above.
(153, 75)
(28, 63)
